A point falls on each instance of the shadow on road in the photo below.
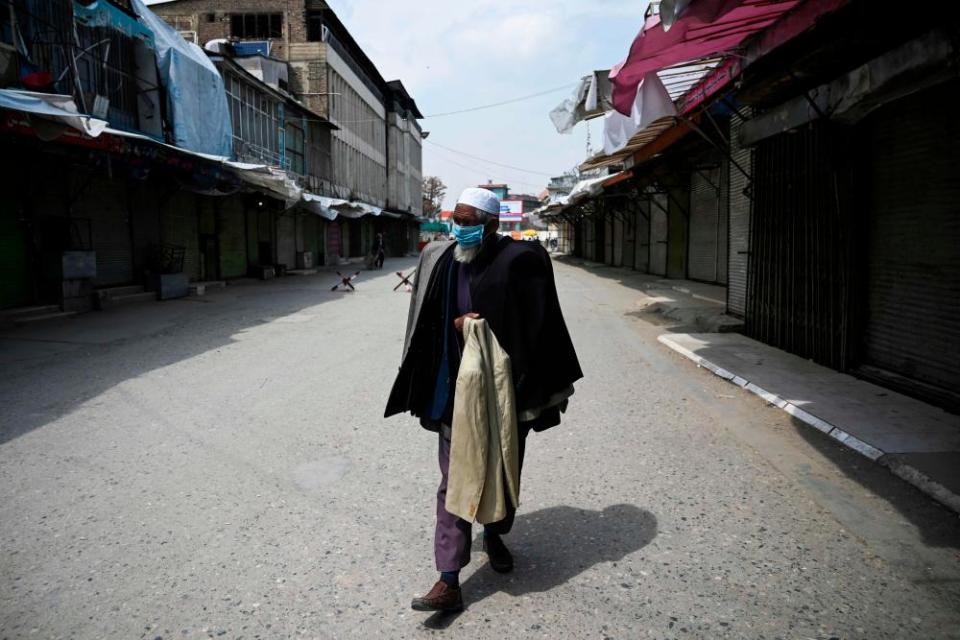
(665, 307)
(56, 367)
(936, 524)
(553, 545)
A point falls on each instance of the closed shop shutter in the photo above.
(356, 238)
(579, 239)
(310, 228)
(723, 221)
(586, 231)
(209, 242)
(608, 237)
(14, 283)
(265, 237)
(641, 261)
(678, 236)
(367, 233)
(104, 204)
(233, 238)
(801, 229)
(323, 228)
(739, 222)
(599, 238)
(179, 228)
(629, 235)
(659, 226)
(345, 232)
(252, 235)
(704, 225)
(287, 240)
(618, 235)
(145, 198)
(334, 242)
(913, 306)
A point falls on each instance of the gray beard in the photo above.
(466, 255)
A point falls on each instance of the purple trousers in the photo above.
(451, 542)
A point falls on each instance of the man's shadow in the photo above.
(553, 545)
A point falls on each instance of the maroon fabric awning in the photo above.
(706, 28)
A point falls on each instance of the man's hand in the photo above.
(458, 322)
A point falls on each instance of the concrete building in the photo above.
(237, 182)
(377, 146)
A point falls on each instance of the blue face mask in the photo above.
(468, 236)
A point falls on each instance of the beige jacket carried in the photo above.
(484, 457)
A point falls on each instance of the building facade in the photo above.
(128, 201)
(376, 147)
(822, 200)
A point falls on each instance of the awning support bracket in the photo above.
(723, 149)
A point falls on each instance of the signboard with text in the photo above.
(511, 211)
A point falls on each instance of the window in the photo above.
(6, 25)
(315, 26)
(295, 148)
(256, 26)
(211, 17)
(256, 122)
(180, 23)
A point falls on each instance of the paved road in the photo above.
(218, 467)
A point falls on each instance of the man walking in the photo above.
(378, 251)
(510, 285)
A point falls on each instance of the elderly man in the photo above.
(510, 285)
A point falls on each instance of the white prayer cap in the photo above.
(482, 199)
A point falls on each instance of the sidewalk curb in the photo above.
(896, 466)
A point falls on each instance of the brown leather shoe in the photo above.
(501, 560)
(442, 597)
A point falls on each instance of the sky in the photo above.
(458, 55)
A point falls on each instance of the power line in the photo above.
(500, 104)
(447, 113)
(499, 164)
(482, 171)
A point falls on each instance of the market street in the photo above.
(219, 466)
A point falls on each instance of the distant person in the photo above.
(510, 285)
(378, 251)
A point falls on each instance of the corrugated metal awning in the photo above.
(637, 142)
(706, 28)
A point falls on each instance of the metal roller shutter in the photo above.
(704, 225)
(104, 204)
(15, 283)
(618, 238)
(659, 227)
(345, 230)
(723, 221)
(913, 303)
(739, 222)
(599, 226)
(233, 238)
(209, 242)
(308, 236)
(356, 238)
(287, 240)
(678, 234)
(607, 237)
(801, 244)
(265, 237)
(253, 240)
(628, 246)
(641, 260)
(179, 228)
